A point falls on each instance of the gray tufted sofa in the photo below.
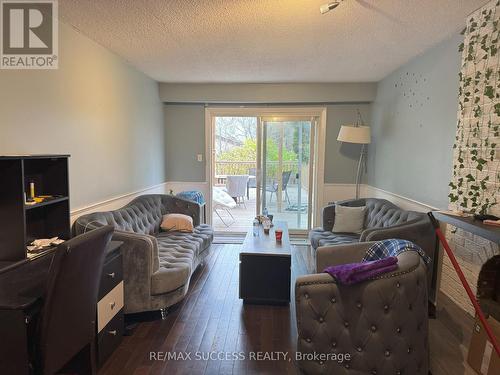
(157, 265)
(383, 220)
(382, 323)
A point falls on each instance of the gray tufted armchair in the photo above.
(381, 323)
(157, 265)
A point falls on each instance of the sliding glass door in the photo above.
(261, 164)
(234, 180)
(286, 169)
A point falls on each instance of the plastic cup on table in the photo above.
(279, 234)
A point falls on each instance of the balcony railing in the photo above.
(226, 167)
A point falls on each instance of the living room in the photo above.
(245, 187)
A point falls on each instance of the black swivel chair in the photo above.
(67, 326)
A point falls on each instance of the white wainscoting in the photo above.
(117, 202)
(120, 201)
(178, 186)
(340, 192)
(336, 192)
(331, 193)
(399, 200)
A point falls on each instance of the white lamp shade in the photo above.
(354, 134)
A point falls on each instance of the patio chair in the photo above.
(223, 201)
(236, 186)
(285, 178)
(252, 180)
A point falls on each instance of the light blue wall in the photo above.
(341, 159)
(268, 93)
(96, 107)
(413, 124)
(185, 138)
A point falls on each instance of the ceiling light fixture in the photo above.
(325, 8)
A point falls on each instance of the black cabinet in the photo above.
(110, 321)
(21, 223)
(22, 288)
(265, 278)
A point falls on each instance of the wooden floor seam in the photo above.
(212, 319)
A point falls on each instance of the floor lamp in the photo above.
(358, 134)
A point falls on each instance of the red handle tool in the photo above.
(466, 286)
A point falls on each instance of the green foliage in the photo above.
(471, 188)
(489, 92)
(248, 152)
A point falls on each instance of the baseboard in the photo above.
(117, 202)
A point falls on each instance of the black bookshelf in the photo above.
(21, 223)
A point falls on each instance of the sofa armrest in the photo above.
(377, 234)
(340, 254)
(140, 261)
(328, 217)
(145, 243)
(418, 231)
(176, 205)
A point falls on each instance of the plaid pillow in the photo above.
(393, 247)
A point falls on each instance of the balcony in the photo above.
(240, 218)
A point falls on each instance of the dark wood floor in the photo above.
(213, 319)
(449, 337)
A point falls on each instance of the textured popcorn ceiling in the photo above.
(267, 40)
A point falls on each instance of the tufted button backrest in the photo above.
(382, 323)
(381, 213)
(143, 215)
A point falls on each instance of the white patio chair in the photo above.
(236, 186)
(222, 201)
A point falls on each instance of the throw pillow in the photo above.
(177, 223)
(349, 219)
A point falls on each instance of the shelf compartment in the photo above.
(50, 220)
(20, 224)
(45, 203)
(50, 176)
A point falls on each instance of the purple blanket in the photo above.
(353, 273)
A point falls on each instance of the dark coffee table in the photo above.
(265, 267)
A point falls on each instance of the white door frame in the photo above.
(319, 155)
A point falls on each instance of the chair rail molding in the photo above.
(337, 191)
(117, 201)
(331, 192)
(178, 186)
(399, 200)
(121, 200)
